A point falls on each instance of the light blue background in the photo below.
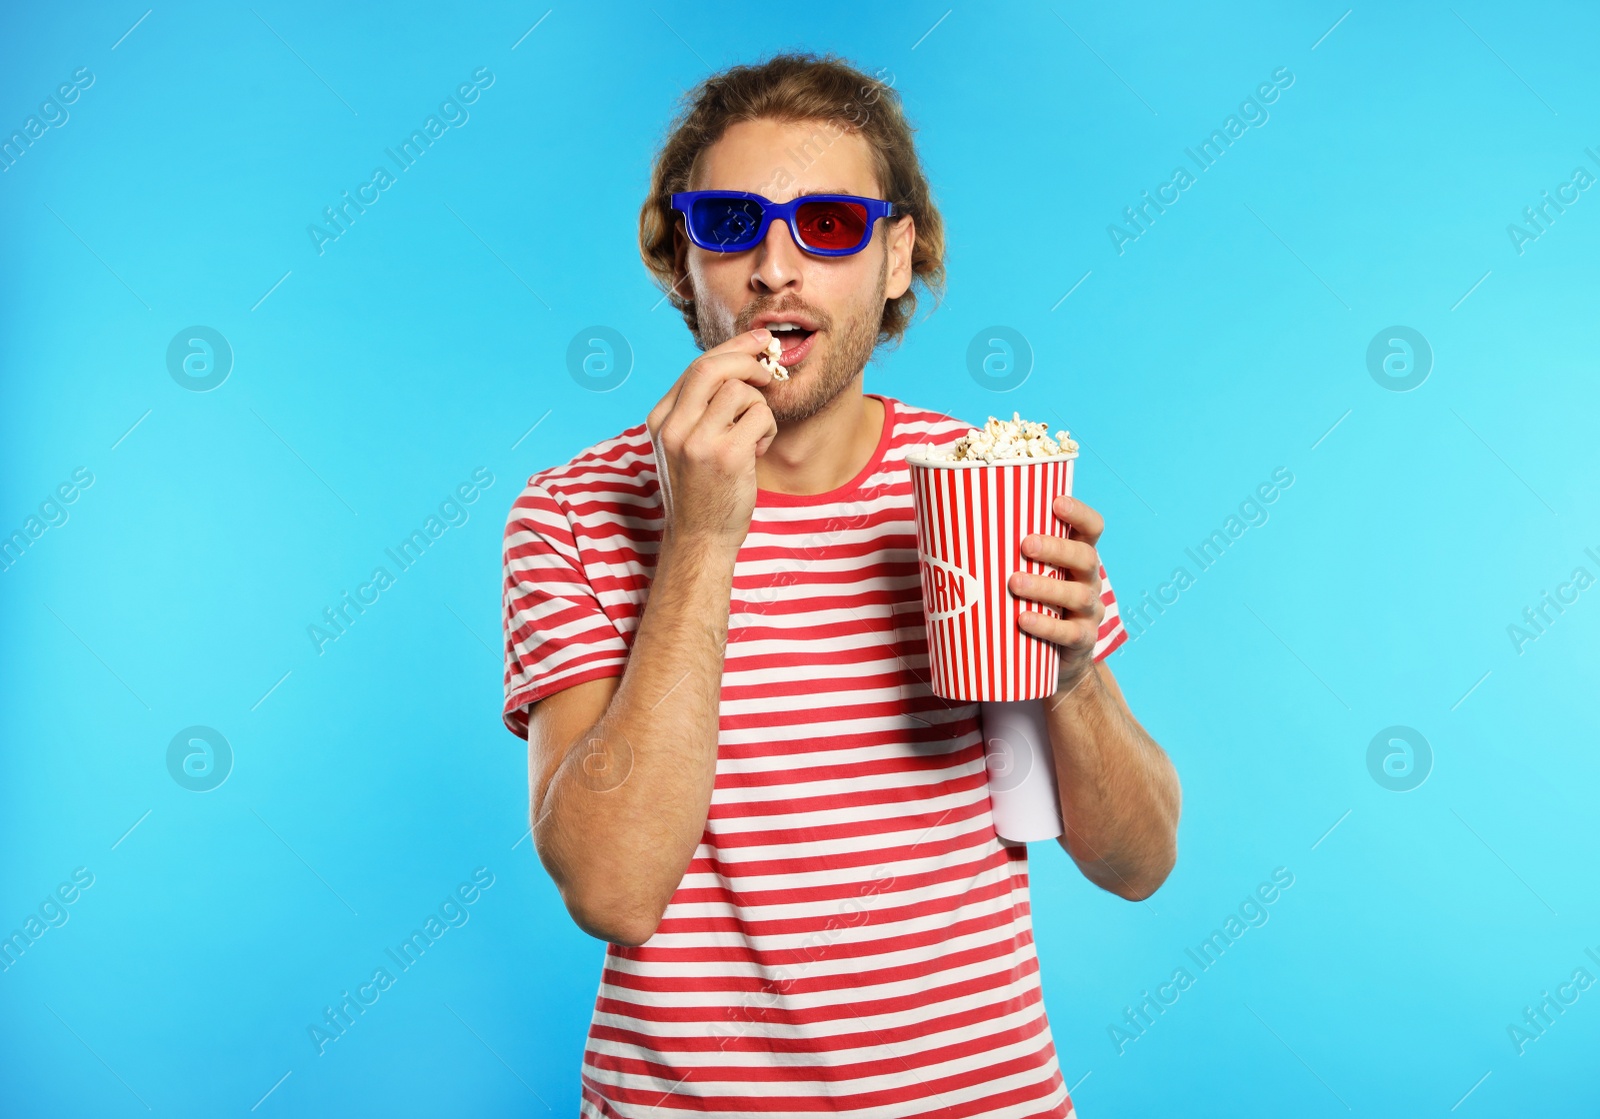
(430, 338)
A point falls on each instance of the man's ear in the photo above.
(902, 239)
(680, 258)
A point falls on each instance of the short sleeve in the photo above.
(1112, 632)
(557, 634)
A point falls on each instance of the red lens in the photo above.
(832, 225)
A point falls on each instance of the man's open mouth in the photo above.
(795, 340)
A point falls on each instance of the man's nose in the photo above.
(778, 259)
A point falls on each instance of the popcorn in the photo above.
(1010, 440)
(769, 357)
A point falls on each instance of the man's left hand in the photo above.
(1075, 591)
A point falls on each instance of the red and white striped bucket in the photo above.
(971, 518)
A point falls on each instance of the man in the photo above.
(738, 776)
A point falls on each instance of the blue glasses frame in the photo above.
(684, 203)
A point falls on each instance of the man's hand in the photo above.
(1075, 592)
(709, 429)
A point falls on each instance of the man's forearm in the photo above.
(1120, 797)
(620, 820)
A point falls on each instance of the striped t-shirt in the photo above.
(851, 934)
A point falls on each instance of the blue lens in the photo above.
(728, 222)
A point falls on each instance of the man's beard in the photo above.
(818, 382)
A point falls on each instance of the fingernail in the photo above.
(762, 334)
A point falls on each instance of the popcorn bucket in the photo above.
(971, 518)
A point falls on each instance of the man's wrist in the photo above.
(1077, 683)
(700, 552)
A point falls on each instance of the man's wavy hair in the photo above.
(797, 87)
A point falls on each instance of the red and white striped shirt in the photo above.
(851, 934)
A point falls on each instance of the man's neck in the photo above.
(824, 452)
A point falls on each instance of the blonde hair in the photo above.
(794, 87)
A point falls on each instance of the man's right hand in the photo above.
(708, 430)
